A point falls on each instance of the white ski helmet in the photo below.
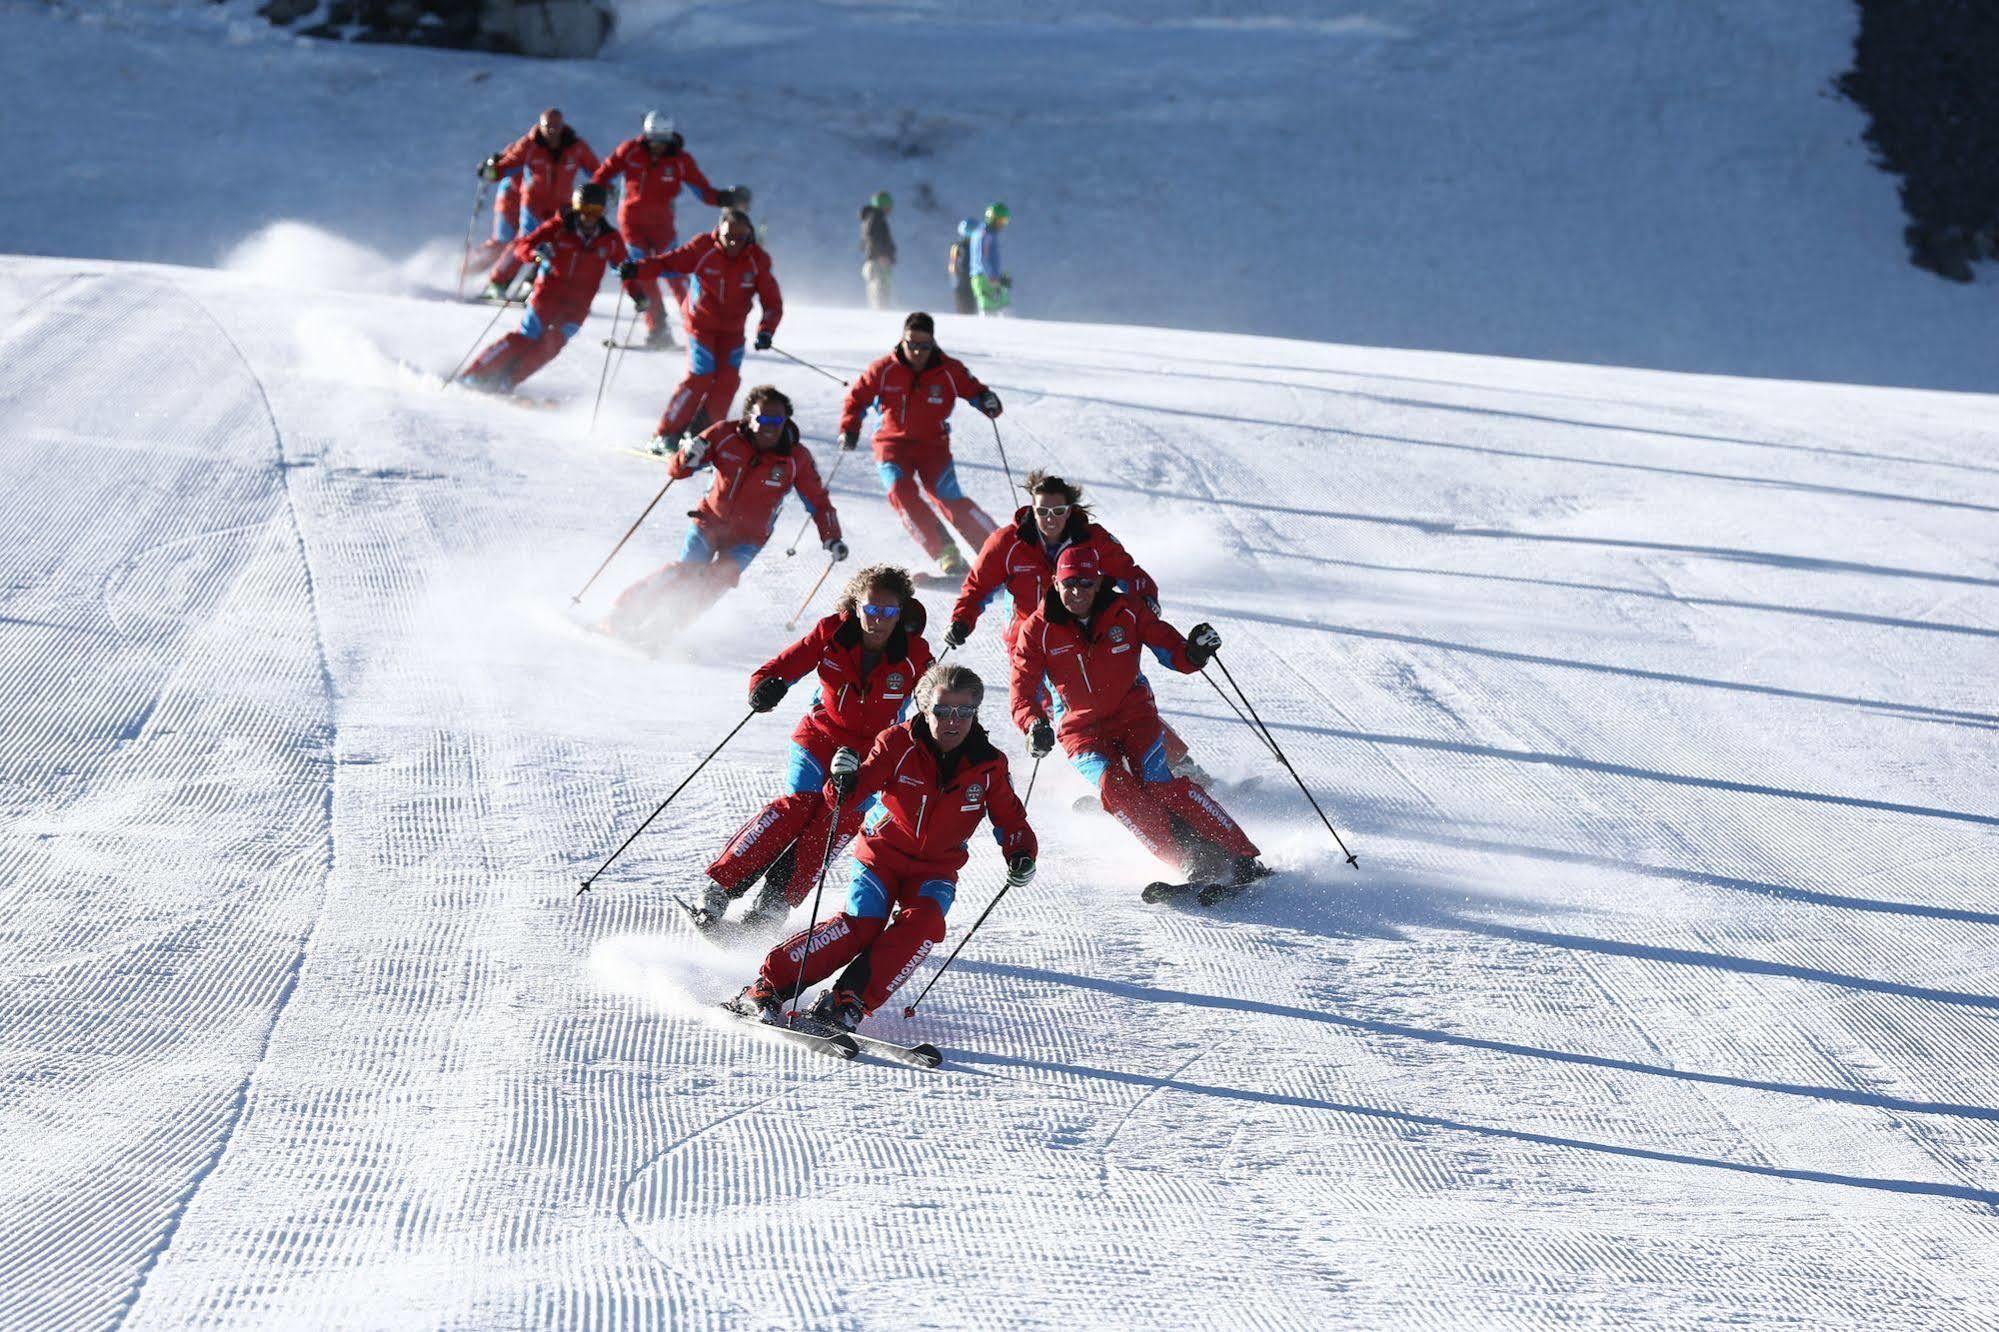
(658, 127)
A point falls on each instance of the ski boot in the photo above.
(839, 1010)
(712, 908)
(493, 292)
(759, 1000)
(951, 562)
(1192, 771)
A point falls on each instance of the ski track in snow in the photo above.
(1663, 994)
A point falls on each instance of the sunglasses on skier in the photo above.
(768, 421)
(880, 612)
(954, 711)
(1051, 511)
(916, 346)
(1077, 584)
(591, 211)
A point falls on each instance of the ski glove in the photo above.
(629, 271)
(546, 253)
(955, 636)
(837, 549)
(846, 771)
(1021, 872)
(1041, 739)
(763, 339)
(639, 302)
(767, 693)
(1202, 644)
(849, 440)
(694, 452)
(988, 402)
(489, 170)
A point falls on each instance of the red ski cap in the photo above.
(1077, 562)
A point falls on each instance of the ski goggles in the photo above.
(954, 711)
(888, 612)
(768, 421)
(1051, 510)
(919, 346)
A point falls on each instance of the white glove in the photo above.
(846, 770)
(837, 549)
(694, 452)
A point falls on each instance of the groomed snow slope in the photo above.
(1657, 707)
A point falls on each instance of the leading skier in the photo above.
(548, 159)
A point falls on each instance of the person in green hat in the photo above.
(877, 249)
(992, 288)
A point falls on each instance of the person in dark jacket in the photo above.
(877, 249)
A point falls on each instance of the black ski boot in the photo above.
(839, 1010)
(758, 1000)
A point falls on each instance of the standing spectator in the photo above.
(990, 283)
(877, 249)
(959, 266)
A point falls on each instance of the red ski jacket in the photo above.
(751, 483)
(720, 286)
(853, 706)
(1015, 558)
(932, 803)
(1094, 669)
(579, 262)
(651, 183)
(916, 404)
(551, 168)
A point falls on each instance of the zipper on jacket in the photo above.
(921, 806)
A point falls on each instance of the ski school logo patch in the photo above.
(1117, 633)
(779, 476)
(975, 795)
(936, 393)
(895, 680)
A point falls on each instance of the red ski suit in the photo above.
(909, 857)
(913, 443)
(721, 287)
(1017, 559)
(1110, 727)
(857, 700)
(548, 175)
(650, 187)
(560, 301)
(731, 523)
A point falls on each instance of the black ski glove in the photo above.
(1021, 872)
(849, 440)
(767, 693)
(1041, 739)
(1202, 644)
(763, 339)
(639, 302)
(489, 170)
(845, 773)
(988, 402)
(629, 271)
(955, 636)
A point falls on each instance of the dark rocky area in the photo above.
(1927, 74)
(520, 27)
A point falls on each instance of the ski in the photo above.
(1160, 891)
(839, 1044)
(637, 346)
(916, 1056)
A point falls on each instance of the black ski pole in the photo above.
(817, 369)
(792, 549)
(471, 229)
(812, 921)
(1271, 740)
(910, 1010)
(793, 621)
(1255, 730)
(578, 598)
(1004, 464)
(467, 360)
(598, 872)
(604, 375)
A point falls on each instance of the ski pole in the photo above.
(1240, 716)
(1007, 466)
(471, 229)
(793, 621)
(1271, 740)
(604, 375)
(467, 360)
(578, 598)
(809, 366)
(812, 921)
(792, 549)
(910, 1010)
(598, 872)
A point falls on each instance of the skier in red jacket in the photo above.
(1021, 559)
(917, 386)
(758, 460)
(1087, 641)
(726, 270)
(937, 777)
(573, 250)
(547, 158)
(868, 654)
(654, 169)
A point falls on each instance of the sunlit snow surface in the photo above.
(1657, 707)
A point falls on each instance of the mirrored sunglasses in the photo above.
(888, 612)
(763, 420)
(954, 711)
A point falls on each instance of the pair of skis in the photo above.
(802, 1029)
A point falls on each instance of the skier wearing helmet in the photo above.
(573, 250)
(959, 266)
(877, 249)
(653, 170)
(991, 287)
(548, 159)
